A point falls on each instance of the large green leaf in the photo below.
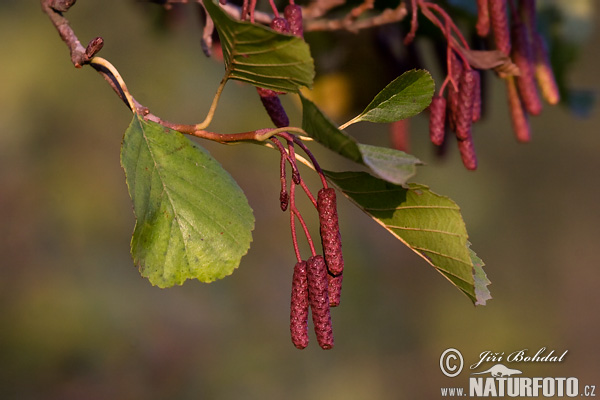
(404, 97)
(192, 219)
(429, 224)
(261, 56)
(392, 165)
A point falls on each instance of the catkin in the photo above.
(466, 96)
(467, 153)
(293, 14)
(318, 299)
(330, 230)
(281, 25)
(483, 18)
(299, 306)
(518, 115)
(523, 58)
(437, 120)
(456, 68)
(477, 101)
(543, 71)
(500, 25)
(334, 289)
(272, 105)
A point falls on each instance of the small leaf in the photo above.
(404, 97)
(429, 224)
(192, 219)
(392, 165)
(260, 56)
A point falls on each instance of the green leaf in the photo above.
(392, 165)
(260, 56)
(192, 219)
(482, 293)
(404, 97)
(429, 224)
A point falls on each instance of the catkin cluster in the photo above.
(512, 29)
(317, 282)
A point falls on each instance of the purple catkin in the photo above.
(466, 95)
(477, 97)
(293, 14)
(483, 18)
(467, 153)
(437, 120)
(520, 123)
(523, 58)
(456, 68)
(272, 105)
(334, 289)
(330, 230)
(299, 306)
(500, 26)
(318, 299)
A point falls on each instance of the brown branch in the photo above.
(388, 16)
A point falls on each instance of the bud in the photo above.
(334, 289)
(523, 57)
(437, 120)
(318, 299)
(299, 306)
(543, 71)
(284, 199)
(483, 18)
(466, 95)
(500, 26)
(330, 230)
(93, 47)
(518, 115)
(293, 14)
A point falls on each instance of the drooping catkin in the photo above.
(466, 97)
(467, 153)
(437, 120)
(543, 71)
(522, 56)
(330, 230)
(518, 115)
(318, 298)
(334, 289)
(483, 18)
(299, 306)
(477, 101)
(500, 25)
(456, 68)
(293, 14)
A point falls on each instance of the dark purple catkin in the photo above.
(334, 289)
(500, 25)
(437, 120)
(272, 105)
(466, 96)
(318, 299)
(299, 306)
(330, 230)
(524, 59)
(293, 14)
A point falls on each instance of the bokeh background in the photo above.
(78, 322)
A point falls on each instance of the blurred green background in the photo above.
(78, 322)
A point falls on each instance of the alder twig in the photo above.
(388, 16)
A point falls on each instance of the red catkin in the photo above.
(543, 71)
(467, 153)
(483, 18)
(334, 289)
(279, 24)
(437, 120)
(500, 25)
(299, 306)
(330, 230)
(523, 58)
(456, 68)
(477, 97)
(293, 14)
(400, 135)
(466, 96)
(318, 298)
(518, 115)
